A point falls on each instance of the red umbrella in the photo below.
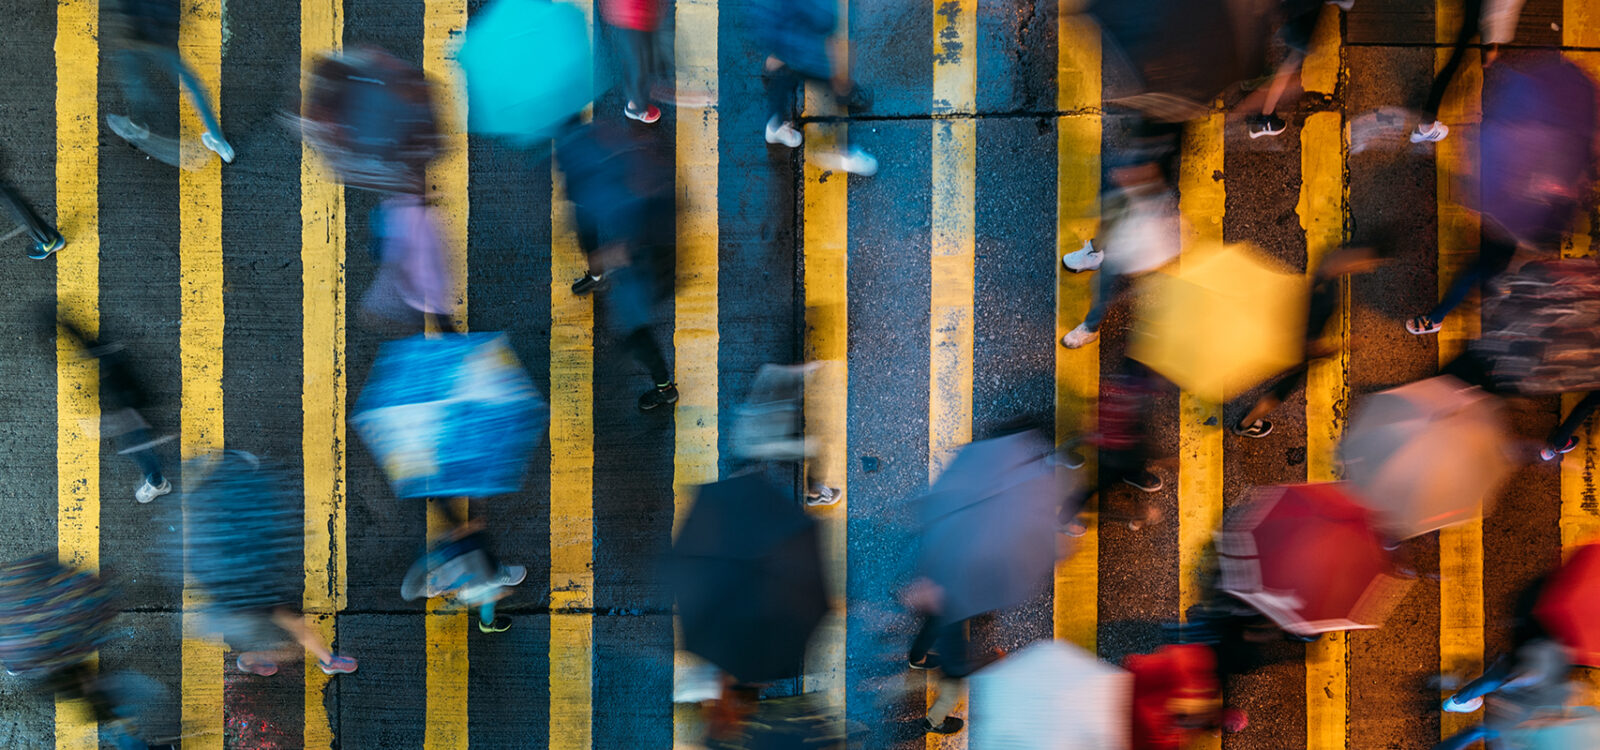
(1307, 557)
(1569, 605)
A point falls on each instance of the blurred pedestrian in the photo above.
(1495, 21)
(1176, 696)
(1324, 303)
(770, 427)
(122, 401)
(1523, 684)
(799, 36)
(634, 26)
(370, 116)
(461, 565)
(413, 283)
(1299, 29)
(942, 644)
(1120, 440)
(1140, 232)
(46, 239)
(147, 54)
(1494, 257)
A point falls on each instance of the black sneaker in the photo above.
(1265, 125)
(42, 250)
(950, 725)
(1257, 429)
(587, 283)
(661, 395)
(500, 625)
(1145, 482)
(929, 661)
(1070, 458)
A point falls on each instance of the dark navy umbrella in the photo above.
(243, 534)
(1537, 145)
(1170, 58)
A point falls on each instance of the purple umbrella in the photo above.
(1537, 145)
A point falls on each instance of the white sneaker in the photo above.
(1344, 5)
(1468, 707)
(823, 495)
(1432, 133)
(779, 132)
(218, 145)
(148, 491)
(129, 130)
(511, 575)
(1085, 258)
(1079, 337)
(854, 161)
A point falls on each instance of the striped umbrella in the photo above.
(51, 616)
(1051, 695)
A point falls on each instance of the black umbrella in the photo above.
(747, 573)
(1182, 53)
(989, 524)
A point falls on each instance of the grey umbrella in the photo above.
(989, 524)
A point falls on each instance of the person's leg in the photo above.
(782, 88)
(41, 231)
(1471, 12)
(636, 51)
(1463, 739)
(197, 93)
(923, 642)
(1456, 293)
(1496, 675)
(486, 613)
(1105, 292)
(949, 695)
(644, 349)
(1580, 414)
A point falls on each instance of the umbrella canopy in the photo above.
(1051, 695)
(1569, 605)
(1172, 57)
(51, 616)
(453, 415)
(1537, 145)
(1580, 730)
(746, 570)
(1307, 557)
(1222, 320)
(1426, 455)
(528, 68)
(989, 524)
(1543, 335)
(370, 116)
(243, 534)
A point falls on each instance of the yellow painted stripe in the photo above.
(200, 331)
(1460, 547)
(1201, 198)
(1580, 25)
(1077, 580)
(322, 392)
(78, 295)
(446, 627)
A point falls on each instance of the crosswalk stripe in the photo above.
(200, 340)
(1323, 207)
(1077, 373)
(446, 627)
(1460, 547)
(954, 185)
(77, 294)
(323, 389)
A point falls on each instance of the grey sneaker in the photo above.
(218, 145)
(1085, 258)
(511, 575)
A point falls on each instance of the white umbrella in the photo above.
(1051, 695)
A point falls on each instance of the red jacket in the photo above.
(1172, 676)
(640, 15)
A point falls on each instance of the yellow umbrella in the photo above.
(1221, 320)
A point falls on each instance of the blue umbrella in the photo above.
(453, 415)
(528, 68)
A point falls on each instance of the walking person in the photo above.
(462, 565)
(634, 25)
(1298, 30)
(1520, 685)
(1495, 22)
(413, 283)
(1493, 259)
(1142, 226)
(122, 399)
(802, 48)
(1123, 456)
(146, 53)
(46, 239)
(940, 644)
(1565, 438)
(770, 427)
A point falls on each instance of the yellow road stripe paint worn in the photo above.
(1580, 25)
(1201, 198)
(200, 333)
(1077, 579)
(446, 628)
(1460, 547)
(322, 394)
(77, 293)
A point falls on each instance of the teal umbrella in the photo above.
(1580, 729)
(528, 68)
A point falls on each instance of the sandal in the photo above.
(1423, 324)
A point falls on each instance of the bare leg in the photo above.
(294, 623)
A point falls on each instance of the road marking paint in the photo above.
(1077, 579)
(446, 627)
(323, 387)
(77, 272)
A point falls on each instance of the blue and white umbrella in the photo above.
(453, 415)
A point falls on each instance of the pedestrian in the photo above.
(1523, 684)
(634, 26)
(770, 427)
(1299, 29)
(122, 401)
(146, 54)
(1176, 696)
(802, 49)
(46, 239)
(1495, 21)
(1565, 438)
(1120, 439)
(1323, 303)
(940, 644)
(462, 565)
(1494, 257)
(413, 283)
(1142, 233)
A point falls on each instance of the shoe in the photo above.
(42, 250)
(650, 114)
(661, 395)
(218, 145)
(929, 661)
(1549, 454)
(1451, 706)
(779, 132)
(587, 283)
(1257, 429)
(1423, 324)
(1079, 337)
(1070, 458)
(511, 575)
(1344, 5)
(148, 491)
(127, 129)
(1234, 720)
(500, 625)
(1085, 258)
(854, 161)
(823, 495)
(1265, 125)
(337, 665)
(264, 668)
(950, 725)
(1146, 482)
(1432, 133)
(1074, 529)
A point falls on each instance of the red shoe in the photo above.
(1234, 720)
(650, 114)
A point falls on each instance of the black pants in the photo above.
(1580, 414)
(23, 214)
(638, 52)
(784, 87)
(644, 349)
(1471, 15)
(950, 640)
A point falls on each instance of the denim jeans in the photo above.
(141, 66)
